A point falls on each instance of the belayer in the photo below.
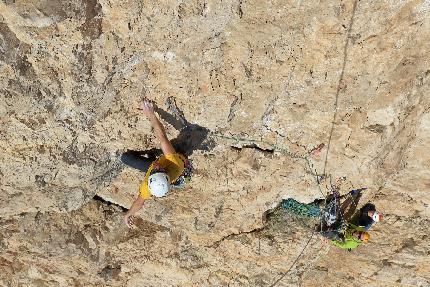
(367, 216)
(346, 227)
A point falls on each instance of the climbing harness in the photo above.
(185, 177)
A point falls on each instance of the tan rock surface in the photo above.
(278, 72)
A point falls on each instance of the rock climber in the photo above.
(160, 172)
(351, 238)
(367, 216)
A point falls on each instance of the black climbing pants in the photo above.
(137, 160)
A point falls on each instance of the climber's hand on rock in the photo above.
(128, 220)
(147, 108)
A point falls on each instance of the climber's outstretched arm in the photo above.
(135, 207)
(148, 109)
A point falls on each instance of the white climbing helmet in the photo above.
(377, 216)
(159, 184)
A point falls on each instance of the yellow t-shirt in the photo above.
(173, 164)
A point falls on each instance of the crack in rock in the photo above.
(254, 146)
(232, 235)
(104, 201)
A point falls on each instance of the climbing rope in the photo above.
(283, 151)
(309, 166)
(305, 158)
(298, 208)
(345, 56)
(321, 251)
(295, 261)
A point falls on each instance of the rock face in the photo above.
(270, 81)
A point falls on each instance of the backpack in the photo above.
(331, 214)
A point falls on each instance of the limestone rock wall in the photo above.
(270, 80)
